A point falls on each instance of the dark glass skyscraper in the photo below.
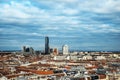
(47, 50)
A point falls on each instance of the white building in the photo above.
(59, 58)
(100, 58)
(87, 57)
(65, 49)
(3, 77)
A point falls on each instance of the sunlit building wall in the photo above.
(65, 49)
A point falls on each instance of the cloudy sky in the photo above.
(81, 24)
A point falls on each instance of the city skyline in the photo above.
(82, 25)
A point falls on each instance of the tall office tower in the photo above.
(65, 49)
(47, 50)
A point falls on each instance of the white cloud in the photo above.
(60, 16)
(10, 11)
(101, 6)
(69, 11)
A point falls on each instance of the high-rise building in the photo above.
(28, 50)
(65, 49)
(47, 50)
(51, 50)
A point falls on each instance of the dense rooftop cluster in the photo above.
(72, 66)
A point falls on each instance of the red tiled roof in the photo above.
(102, 76)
